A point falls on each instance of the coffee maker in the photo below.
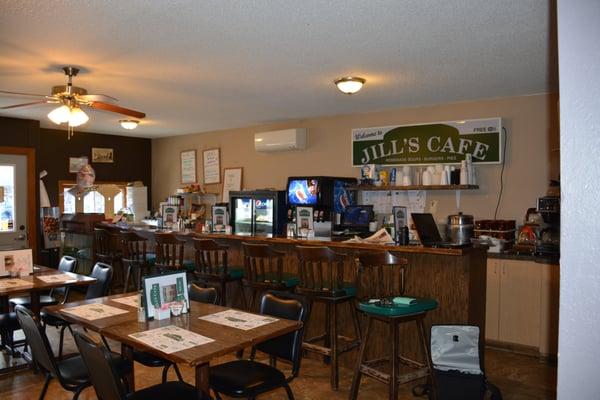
(548, 242)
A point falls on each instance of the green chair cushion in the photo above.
(289, 280)
(150, 258)
(236, 272)
(348, 289)
(396, 310)
(189, 265)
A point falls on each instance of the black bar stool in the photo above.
(321, 274)
(380, 285)
(212, 266)
(136, 260)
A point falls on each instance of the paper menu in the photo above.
(13, 283)
(170, 339)
(55, 278)
(238, 319)
(94, 311)
(131, 301)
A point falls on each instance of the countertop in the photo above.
(541, 259)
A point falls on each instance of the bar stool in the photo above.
(263, 271)
(135, 258)
(380, 277)
(169, 254)
(212, 266)
(321, 274)
(108, 250)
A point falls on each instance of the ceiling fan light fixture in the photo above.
(60, 114)
(129, 123)
(349, 84)
(78, 117)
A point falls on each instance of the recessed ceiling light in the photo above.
(129, 123)
(349, 84)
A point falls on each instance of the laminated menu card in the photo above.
(238, 319)
(13, 283)
(55, 278)
(170, 339)
(131, 301)
(94, 311)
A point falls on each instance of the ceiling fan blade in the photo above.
(113, 108)
(23, 94)
(23, 105)
(96, 97)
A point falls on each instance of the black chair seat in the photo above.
(9, 321)
(148, 359)
(26, 301)
(168, 390)
(74, 370)
(245, 378)
(52, 320)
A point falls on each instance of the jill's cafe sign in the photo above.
(433, 143)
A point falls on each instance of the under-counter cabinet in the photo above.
(522, 304)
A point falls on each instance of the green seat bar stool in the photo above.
(380, 290)
(136, 259)
(212, 266)
(322, 281)
(169, 254)
(263, 271)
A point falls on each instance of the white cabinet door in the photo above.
(549, 312)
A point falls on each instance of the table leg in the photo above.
(202, 375)
(129, 378)
(35, 302)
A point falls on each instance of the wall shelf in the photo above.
(413, 187)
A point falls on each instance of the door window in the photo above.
(7, 198)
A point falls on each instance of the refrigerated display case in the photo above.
(260, 212)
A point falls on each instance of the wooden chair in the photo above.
(263, 271)
(321, 274)
(107, 250)
(169, 253)
(380, 283)
(135, 258)
(212, 266)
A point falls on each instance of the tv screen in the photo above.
(303, 191)
(357, 216)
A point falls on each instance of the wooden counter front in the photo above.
(456, 278)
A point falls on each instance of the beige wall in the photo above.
(531, 121)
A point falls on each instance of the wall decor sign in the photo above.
(102, 155)
(16, 262)
(76, 163)
(232, 181)
(304, 220)
(212, 166)
(432, 143)
(160, 291)
(188, 166)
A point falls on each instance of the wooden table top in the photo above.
(40, 285)
(98, 324)
(226, 339)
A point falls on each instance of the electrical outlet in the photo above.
(433, 206)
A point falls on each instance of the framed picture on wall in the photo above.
(212, 166)
(75, 164)
(232, 181)
(102, 155)
(187, 162)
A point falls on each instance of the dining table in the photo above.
(41, 280)
(217, 339)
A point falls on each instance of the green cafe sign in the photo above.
(435, 143)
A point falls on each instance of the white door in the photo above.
(13, 202)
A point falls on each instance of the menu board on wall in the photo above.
(188, 166)
(212, 166)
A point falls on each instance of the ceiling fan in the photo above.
(72, 99)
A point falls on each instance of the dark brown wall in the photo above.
(132, 156)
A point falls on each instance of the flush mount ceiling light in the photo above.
(129, 123)
(349, 84)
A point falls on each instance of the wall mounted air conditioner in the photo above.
(287, 139)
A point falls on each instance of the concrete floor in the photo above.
(519, 377)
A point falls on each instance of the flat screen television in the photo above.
(357, 216)
(303, 191)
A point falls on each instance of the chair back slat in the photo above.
(169, 251)
(211, 258)
(321, 270)
(134, 247)
(380, 275)
(263, 265)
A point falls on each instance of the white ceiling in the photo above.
(196, 66)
